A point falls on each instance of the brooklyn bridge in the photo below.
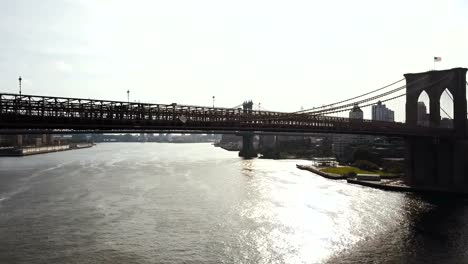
(436, 156)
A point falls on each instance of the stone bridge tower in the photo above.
(434, 84)
(432, 162)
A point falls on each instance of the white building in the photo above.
(381, 113)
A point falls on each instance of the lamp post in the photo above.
(20, 79)
(128, 96)
(213, 100)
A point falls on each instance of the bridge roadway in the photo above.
(37, 114)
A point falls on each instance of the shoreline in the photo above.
(313, 169)
(28, 151)
(393, 185)
(407, 189)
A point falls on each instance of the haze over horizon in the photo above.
(285, 55)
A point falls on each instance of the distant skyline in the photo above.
(283, 54)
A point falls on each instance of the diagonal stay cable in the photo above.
(449, 95)
(445, 112)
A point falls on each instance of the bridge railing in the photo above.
(88, 108)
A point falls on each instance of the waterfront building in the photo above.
(343, 146)
(5, 141)
(324, 162)
(25, 140)
(342, 143)
(381, 113)
(356, 113)
(446, 122)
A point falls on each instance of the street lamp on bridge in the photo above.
(213, 100)
(128, 96)
(20, 79)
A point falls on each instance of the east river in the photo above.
(194, 203)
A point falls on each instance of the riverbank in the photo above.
(228, 147)
(398, 185)
(353, 171)
(351, 175)
(327, 175)
(389, 183)
(27, 151)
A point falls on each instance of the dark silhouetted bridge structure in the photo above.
(433, 151)
(30, 112)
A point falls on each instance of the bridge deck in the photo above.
(29, 112)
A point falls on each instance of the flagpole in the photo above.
(436, 59)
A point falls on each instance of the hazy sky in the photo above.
(284, 54)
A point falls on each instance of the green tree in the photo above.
(364, 153)
(366, 165)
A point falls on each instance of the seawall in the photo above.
(26, 151)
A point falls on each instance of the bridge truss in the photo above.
(30, 113)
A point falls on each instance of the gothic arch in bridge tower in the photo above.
(434, 83)
(446, 108)
(423, 113)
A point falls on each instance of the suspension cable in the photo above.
(237, 106)
(370, 104)
(382, 101)
(361, 101)
(369, 99)
(347, 100)
(340, 109)
(362, 106)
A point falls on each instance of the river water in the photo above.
(194, 203)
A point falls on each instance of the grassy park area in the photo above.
(345, 170)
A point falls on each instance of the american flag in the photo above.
(437, 58)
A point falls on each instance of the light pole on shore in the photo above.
(213, 100)
(128, 96)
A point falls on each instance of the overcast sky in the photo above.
(283, 54)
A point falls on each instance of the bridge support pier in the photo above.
(19, 141)
(248, 150)
(437, 164)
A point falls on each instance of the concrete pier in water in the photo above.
(248, 149)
